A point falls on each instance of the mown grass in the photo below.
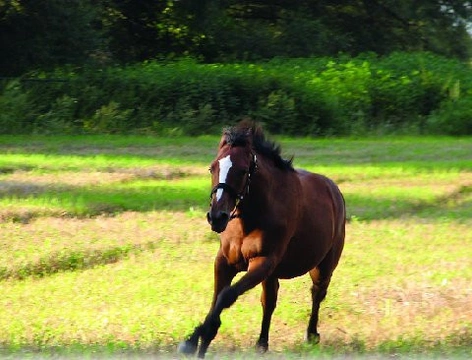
(104, 248)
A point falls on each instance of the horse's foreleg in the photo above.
(270, 288)
(258, 270)
(223, 274)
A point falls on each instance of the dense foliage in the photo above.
(46, 34)
(119, 68)
(414, 93)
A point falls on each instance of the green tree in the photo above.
(383, 26)
(146, 29)
(258, 29)
(43, 34)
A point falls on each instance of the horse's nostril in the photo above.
(219, 223)
(219, 216)
(218, 220)
(223, 216)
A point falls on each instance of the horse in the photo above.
(275, 222)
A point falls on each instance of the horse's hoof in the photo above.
(186, 347)
(313, 339)
(262, 347)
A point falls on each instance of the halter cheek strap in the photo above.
(235, 194)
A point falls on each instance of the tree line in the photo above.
(42, 35)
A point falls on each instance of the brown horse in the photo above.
(275, 223)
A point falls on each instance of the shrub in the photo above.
(325, 96)
(16, 112)
(59, 118)
(454, 117)
(109, 119)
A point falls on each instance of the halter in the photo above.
(238, 196)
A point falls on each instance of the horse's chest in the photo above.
(238, 249)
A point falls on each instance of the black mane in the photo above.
(246, 133)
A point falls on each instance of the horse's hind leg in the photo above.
(321, 277)
(270, 288)
(318, 293)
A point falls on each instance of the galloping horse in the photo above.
(275, 222)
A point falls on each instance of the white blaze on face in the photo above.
(225, 165)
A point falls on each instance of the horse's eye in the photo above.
(210, 170)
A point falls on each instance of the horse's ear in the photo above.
(224, 138)
(223, 141)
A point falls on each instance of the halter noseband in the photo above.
(235, 194)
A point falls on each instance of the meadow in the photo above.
(105, 250)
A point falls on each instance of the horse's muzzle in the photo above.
(218, 220)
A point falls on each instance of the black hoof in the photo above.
(187, 347)
(262, 347)
(313, 339)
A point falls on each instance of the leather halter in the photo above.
(238, 196)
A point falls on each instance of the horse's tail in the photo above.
(339, 205)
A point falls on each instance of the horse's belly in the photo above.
(301, 258)
(287, 271)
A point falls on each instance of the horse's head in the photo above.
(231, 176)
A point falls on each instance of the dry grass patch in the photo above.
(48, 245)
(64, 179)
(26, 195)
(411, 310)
(25, 181)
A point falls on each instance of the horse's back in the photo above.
(320, 225)
(322, 199)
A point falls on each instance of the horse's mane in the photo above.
(247, 132)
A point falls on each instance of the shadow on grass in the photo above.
(77, 201)
(70, 261)
(67, 200)
(455, 206)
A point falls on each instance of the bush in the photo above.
(109, 119)
(324, 96)
(16, 112)
(58, 119)
(454, 117)
(408, 86)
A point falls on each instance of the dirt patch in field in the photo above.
(432, 315)
(438, 186)
(54, 243)
(414, 309)
(27, 182)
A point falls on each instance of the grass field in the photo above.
(104, 249)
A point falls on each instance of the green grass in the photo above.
(104, 249)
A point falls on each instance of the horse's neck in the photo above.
(265, 186)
